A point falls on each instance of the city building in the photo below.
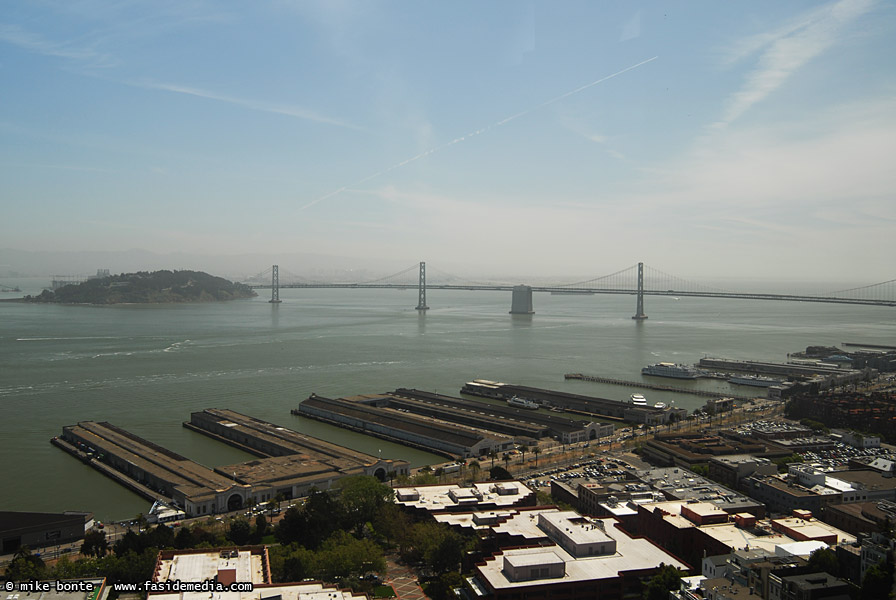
(38, 530)
(485, 496)
(584, 558)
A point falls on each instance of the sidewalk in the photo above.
(403, 580)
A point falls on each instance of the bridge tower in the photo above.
(639, 311)
(275, 285)
(421, 288)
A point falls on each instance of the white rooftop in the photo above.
(631, 554)
(439, 497)
(294, 591)
(204, 566)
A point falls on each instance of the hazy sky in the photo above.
(541, 137)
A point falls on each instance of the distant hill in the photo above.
(147, 288)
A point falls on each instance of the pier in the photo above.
(653, 386)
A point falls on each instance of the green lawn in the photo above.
(383, 591)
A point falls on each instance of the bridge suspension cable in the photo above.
(885, 290)
(626, 278)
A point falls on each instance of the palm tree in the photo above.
(506, 458)
(536, 451)
(523, 450)
(493, 455)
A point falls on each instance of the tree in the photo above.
(362, 497)
(523, 450)
(25, 566)
(665, 580)
(261, 526)
(506, 460)
(825, 559)
(536, 451)
(877, 582)
(492, 454)
(95, 543)
(499, 474)
(239, 532)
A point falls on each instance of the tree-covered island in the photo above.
(147, 288)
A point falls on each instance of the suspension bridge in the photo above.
(637, 280)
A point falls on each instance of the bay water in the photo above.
(147, 367)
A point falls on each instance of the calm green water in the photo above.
(145, 368)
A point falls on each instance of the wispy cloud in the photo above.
(37, 44)
(786, 50)
(259, 105)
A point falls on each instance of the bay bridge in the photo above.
(637, 280)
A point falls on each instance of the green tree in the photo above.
(825, 559)
(877, 582)
(95, 543)
(261, 527)
(239, 532)
(362, 497)
(499, 474)
(25, 566)
(343, 556)
(668, 578)
(536, 451)
(523, 450)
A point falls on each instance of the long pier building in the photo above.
(458, 427)
(289, 462)
(370, 414)
(590, 405)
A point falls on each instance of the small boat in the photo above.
(660, 405)
(638, 400)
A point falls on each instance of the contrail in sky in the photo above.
(475, 133)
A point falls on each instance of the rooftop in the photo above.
(435, 498)
(632, 554)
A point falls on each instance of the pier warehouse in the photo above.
(371, 415)
(146, 468)
(456, 426)
(290, 463)
(601, 407)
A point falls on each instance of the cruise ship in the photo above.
(638, 400)
(667, 369)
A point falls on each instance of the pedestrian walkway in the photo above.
(403, 580)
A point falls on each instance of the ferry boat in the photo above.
(518, 402)
(638, 400)
(660, 405)
(754, 380)
(667, 369)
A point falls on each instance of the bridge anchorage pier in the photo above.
(275, 285)
(521, 301)
(639, 310)
(421, 288)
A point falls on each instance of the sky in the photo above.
(705, 139)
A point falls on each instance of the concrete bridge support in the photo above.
(521, 303)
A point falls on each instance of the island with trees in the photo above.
(147, 288)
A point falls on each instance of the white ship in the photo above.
(667, 369)
(638, 400)
(518, 402)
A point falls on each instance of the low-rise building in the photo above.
(485, 496)
(586, 558)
